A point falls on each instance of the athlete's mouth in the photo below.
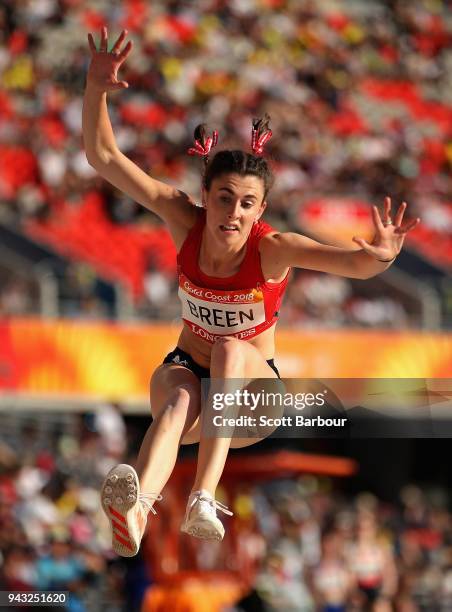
(229, 228)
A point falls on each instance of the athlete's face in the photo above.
(233, 204)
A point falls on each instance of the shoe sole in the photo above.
(126, 536)
(203, 530)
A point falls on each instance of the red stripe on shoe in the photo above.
(122, 541)
(120, 528)
(117, 515)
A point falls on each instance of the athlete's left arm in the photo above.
(291, 249)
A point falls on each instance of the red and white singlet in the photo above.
(243, 305)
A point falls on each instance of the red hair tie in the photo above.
(259, 137)
(203, 150)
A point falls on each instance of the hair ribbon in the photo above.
(204, 149)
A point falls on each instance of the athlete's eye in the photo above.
(247, 204)
(224, 199)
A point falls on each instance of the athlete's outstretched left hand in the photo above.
(389, 233)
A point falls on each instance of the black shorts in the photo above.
(184, 359)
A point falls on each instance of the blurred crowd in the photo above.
(322, 300)
(313, 300)
(324, 551)
(358, 92)
(304, 544)
(53, 534)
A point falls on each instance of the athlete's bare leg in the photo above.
(230, 359)
(126, 496)
(175, 404)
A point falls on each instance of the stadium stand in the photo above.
(358, 95)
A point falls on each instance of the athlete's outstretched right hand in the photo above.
(104, 66)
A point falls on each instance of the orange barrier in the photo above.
(105, 360)
(193, 595)
(265, 466)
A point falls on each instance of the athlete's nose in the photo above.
(234, 210)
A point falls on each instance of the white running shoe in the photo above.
(201, 518)
(126, 508)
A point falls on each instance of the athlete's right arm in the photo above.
(172, 205)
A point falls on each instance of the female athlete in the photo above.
(233, 270)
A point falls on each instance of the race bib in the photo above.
(221, 312)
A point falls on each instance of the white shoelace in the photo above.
(146, 500)
(209, 504)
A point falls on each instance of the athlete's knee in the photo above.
(228, 350)
(182, 397)
(182, 403)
